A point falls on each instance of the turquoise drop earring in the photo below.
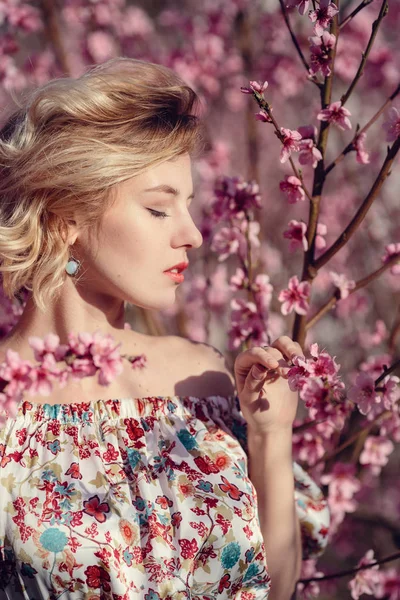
(73, 266)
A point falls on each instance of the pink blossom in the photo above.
(320, 48)
(368, 340)
(390, 251)
(363, 393)
(50, 344)
(392, 124)
(17, 372)
(340, 281)
(308, 446)
(228, 241)
(389, 585)
(218, 292)
(309, 153)
(101, 45)
(263, 116)
(234, 197)
(238, 281)
(342, 487)
(322, 16)
(308, 132)
(290, 143)
(106, 357)
(302, 5)
(335, 113)
(390, 392)
(24, 17)
(365, 581)
(295, 297)
(292, 187)
(263, 290)
(310, 590)
(255, 86)
(296, 232)
(376, 452)
(136, 22)
(320, 242)
(245, 322)
(362, 156)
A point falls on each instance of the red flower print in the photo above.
(77, 519)
(128, 531)
(96, 509)
(97, 577)
(4, 459)
(222, 461)
(133, 430)
(224, 523)
(323, 531)
(206, 465)
(176, 519)
(188, 548)
(111, 453)
(248, 532)
(230, 488)
(21, 434)
(74, 471)
(164, 502)
(224, 583)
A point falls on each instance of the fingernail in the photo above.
(258, 372)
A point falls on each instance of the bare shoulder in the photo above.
(206, 361)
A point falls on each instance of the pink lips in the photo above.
(177, 277)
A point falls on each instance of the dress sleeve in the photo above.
(312, 507)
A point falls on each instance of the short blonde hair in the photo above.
(65, 148)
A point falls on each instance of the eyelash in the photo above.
(157, 214)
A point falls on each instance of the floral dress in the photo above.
(136, 498)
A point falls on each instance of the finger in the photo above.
(269, 358)
(288, 347)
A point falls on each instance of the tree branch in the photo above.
(375, 26)
(53, 30)
(362, 211)
(294, 38)
(359, 284)
(352, 571)
(363, 4)
(299, 331)
(350, 146)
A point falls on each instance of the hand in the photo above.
(266, 401)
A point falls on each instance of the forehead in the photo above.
(169, 177)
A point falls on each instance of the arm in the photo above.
(271, 472)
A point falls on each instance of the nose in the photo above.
(188, 234)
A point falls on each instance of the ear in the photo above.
(69, 232)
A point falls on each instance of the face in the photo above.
(145, 232)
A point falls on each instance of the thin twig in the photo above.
(363, 210)
(363, 4)
(308, 274)
(264, 105)
(350, 146)
(375, 26)
(352, 571)
(359, 284)
(51, 19)
(294, 38)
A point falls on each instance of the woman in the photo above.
(158, 486)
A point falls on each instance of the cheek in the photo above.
(132, 237)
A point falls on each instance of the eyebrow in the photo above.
(167, 189)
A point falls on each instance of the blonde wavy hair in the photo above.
(63, 151)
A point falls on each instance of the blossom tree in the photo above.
(299, 211)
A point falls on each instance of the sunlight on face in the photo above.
(146, 231)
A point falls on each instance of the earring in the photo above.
(73, 266)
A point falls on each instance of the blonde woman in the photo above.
(173, 482)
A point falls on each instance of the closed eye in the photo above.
(157, 214)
